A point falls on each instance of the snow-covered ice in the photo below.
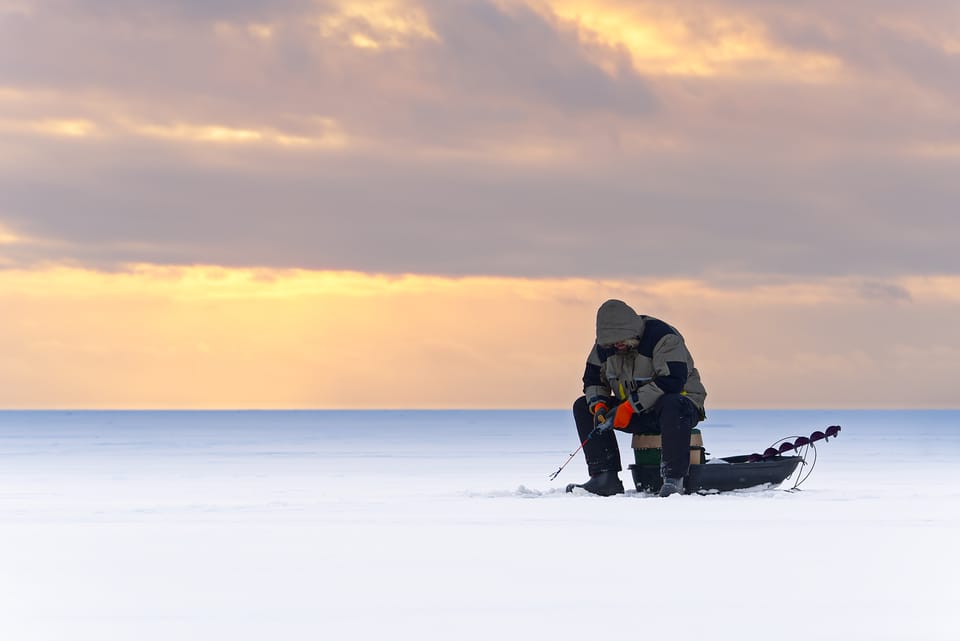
(444, 525)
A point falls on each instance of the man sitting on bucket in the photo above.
(639, 378)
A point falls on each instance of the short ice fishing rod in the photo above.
(602, 425)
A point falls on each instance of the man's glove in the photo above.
(625, 412)
(598, 406)
(603, 422)
(602, 419)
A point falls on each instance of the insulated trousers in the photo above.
(673, 416)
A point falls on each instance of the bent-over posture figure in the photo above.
(639, 378)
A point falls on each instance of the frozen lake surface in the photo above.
(444, 525)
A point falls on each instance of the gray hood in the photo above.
(616, 321)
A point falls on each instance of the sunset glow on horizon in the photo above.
(210, 337)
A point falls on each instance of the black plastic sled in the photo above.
(772, 467)
(722, 475)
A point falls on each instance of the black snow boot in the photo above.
(671, 486)
(603, 484)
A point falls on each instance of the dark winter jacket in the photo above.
(660, 363)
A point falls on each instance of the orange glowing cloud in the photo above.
(70, 128)
(662, 40)
(329, 134)
(7, 237)
(114, 119)
(378, 24)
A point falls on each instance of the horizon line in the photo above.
(454, 409)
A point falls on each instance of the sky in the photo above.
(421, 204)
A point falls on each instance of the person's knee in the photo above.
(580, 405)
(672, 401)
(675, 412)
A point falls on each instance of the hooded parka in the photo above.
(657, 362)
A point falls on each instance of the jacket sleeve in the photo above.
(670, 358)
(594, 382)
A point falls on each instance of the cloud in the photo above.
(881, 291)
(325, 211)
(183, 10)
(519, 56)
(481, 137)
(897, 42)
